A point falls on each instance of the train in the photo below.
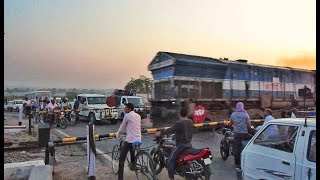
(219, 83)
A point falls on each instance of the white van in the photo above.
(94, 108)
(289, 153)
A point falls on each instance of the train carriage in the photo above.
(221, 82)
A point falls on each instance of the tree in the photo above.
(140, 85)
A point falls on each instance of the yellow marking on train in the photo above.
(112, 134)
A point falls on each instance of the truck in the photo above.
(121, 97)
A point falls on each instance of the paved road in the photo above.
(221, 169)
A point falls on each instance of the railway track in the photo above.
(22, 146)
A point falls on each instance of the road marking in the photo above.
(99, 151)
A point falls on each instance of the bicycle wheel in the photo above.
(63, 123)
(158, 159)
(115, 158)
(144, 166)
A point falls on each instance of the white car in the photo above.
(14, 105)
(95, 108)
(289, 153)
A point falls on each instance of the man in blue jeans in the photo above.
(183, 130)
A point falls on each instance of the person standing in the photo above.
(240, 121)
(76, 107)
(26, 106)
(131, 125)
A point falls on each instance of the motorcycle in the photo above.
(227, 142)
(66, 119)
(191, 164)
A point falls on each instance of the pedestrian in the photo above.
(76, 107)
(240, 121)
(26, 106)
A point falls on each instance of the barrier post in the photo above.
(30, 124)
(91, 151)
(20, 115)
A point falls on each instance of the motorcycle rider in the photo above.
(65, 104)
(183, 130)
(51, 107)
(131, 124)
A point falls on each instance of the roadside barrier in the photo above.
(150, 130)
(77, 110)
(91, 137)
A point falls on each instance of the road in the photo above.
(223, 170)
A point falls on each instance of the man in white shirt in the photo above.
(52, 106)
(131, 125)
(272, 130)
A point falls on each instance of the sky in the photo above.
(104, 43)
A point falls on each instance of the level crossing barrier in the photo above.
(91, 137)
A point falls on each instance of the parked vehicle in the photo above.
(226, 143)
(192, 164)
(121, 97)
(40, 94)
(14, 105)
(288, 154)
(94, 108)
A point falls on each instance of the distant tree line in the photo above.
(140, 85)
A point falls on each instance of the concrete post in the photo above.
(91, 151)
(20, 115)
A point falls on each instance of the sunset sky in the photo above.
(104, 43)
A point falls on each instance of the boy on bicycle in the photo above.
(131, 125)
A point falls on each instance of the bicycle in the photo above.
(143, 164)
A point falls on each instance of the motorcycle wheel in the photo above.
(63, 123)
(158, 159)
(224, 149)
